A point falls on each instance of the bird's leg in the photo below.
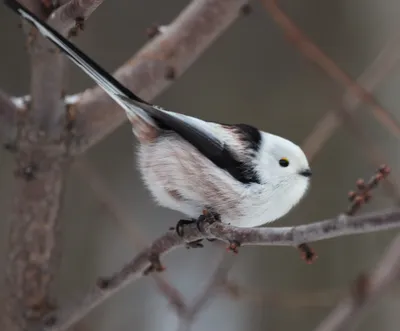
(179, 230)
(180, 225)
(206, 216)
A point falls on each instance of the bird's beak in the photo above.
(306, 173)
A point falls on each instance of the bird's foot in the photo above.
(206, 216)
(155, 264)
(307, 253)
(181, 224)
(179, 230)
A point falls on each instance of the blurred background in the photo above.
(251, 74)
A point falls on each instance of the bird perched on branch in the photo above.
(245, 176)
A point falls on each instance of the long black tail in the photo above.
(122, 95)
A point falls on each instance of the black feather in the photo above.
(249, 135)
(218, 153)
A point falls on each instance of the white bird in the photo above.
(245, 176)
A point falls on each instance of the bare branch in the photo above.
(284, 236)
(148, 73)
(368, 289)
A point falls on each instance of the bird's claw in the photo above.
(206, 216)
(181, 224)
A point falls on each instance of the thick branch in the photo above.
(285, 236)
(367, 290)
(41, 167)
(155, 67)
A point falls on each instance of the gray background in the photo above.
(251, 74)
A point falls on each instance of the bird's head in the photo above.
(283, 166)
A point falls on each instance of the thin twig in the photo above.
(364, 193)
(284, 236)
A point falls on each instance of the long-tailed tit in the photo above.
(246, 176)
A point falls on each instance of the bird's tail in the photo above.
(131, 103)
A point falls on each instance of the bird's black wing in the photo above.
(210, 146)
(197, 135)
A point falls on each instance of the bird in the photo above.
(244, 176)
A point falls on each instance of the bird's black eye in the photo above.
(284, 162)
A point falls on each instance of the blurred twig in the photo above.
(285, 236)
(382, 65)
(217, 282)
(288, 299)
(368, 289)
(312, 52)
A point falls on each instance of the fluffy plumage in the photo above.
(248, 176)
